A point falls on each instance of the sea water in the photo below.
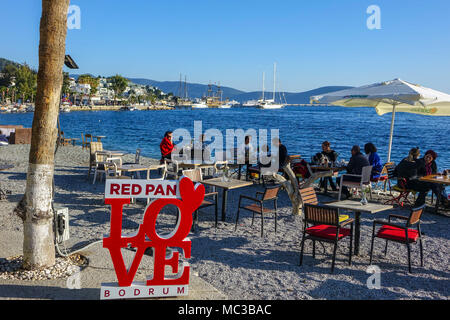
(301, 129)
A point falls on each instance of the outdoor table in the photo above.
(358, 208)
(226, 186)
(3, 193)
(99, 138)
(111, 153)
(438, 179)
(192, 164)
(138, 168)
(332, 171)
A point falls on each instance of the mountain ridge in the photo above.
(197, 90)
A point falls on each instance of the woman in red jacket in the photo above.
(166, 146)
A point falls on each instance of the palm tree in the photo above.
(35, 208)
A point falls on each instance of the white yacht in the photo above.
(250, 103)
(199, 105)
(270, 103)
(225, 106)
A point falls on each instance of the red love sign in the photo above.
(146, 237)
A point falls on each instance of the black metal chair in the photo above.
(400, 233)
(325, 227)
(270, 194)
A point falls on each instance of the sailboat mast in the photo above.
(263, 86)
(274, 80)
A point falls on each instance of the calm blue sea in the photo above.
(302, 129)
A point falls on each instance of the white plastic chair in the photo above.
(363, 183)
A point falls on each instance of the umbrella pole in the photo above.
(392, 133)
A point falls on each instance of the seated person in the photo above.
(166, 146)
(330, 157)
(283, 158)
(354, 166)
(374, 161)
(408, 171)
(427, 167)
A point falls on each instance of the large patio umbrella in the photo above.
(391, 96)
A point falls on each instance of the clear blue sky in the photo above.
(315, 43)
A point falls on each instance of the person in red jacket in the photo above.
(166, 146)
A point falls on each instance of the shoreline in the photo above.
(241, 264)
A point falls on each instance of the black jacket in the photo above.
(283, 155)
(409, 170)
(332, 155)
(356, 163)
(421, 167)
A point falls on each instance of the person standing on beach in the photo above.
(166, 146)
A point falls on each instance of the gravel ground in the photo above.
(241, 263)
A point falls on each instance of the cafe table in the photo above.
(137, 168)
(193, 164)
(230, 184)
(99, 138)
(333, 171)
(357, 207)
(111, 153)
(437, 179)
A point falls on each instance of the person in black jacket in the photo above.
(282, 153)
(331, 157)
(409, 170)
(354, 166)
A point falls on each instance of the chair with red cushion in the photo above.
(400, 233)
(325, 227)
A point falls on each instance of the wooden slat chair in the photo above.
(270, 194)
(400, 233)
(63, 140)
(84, 143)
(93, 147)
(88, 139)
(383, 178)
(308, 195)
(390, 168)
(325, 227)
(196, 176)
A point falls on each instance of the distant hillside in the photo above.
(194, 90)
(291, 97)
(4, 62)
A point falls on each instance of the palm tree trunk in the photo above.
(36, 207)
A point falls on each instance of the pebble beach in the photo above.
(242, 264)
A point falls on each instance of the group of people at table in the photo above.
(408, 171)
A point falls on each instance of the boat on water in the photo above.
(127, 108)
(200, 105)
(225, 106)
(250, 103)
(270, 103)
